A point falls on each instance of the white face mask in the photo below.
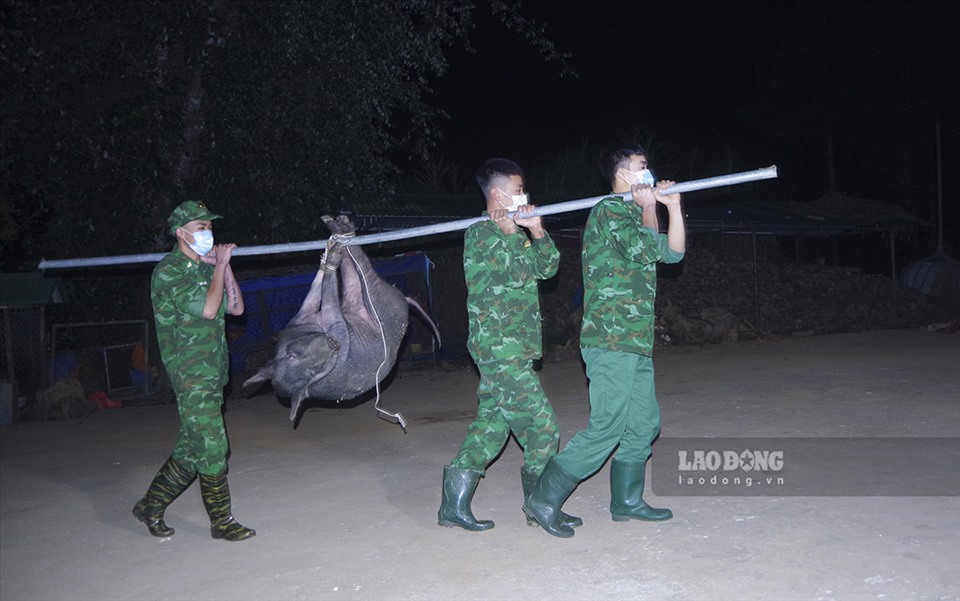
(637, 177)
(202, 242)
(516, 201)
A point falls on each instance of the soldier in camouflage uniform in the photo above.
(192, 287)
(622, 245)
(502, 266)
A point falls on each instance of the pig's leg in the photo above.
(313, 300)
(331, 314)
(311, 304)
(358, 279)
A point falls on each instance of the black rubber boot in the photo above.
(547, 497)
(458, 488)
(171, 480)
(528, 478)
(626, 494)
(216, 498)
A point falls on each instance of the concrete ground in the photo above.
(345, 505)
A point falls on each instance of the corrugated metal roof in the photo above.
(31, 289)
(832, 214)
(407, 211)
(442, 207)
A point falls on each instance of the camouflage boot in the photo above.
(171, 480)
(216, 498)
(626, 494)
(458, 488)
(528, 478)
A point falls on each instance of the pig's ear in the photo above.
(261, 376)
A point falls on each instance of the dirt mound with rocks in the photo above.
(722, 296)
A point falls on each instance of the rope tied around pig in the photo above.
(341, 239)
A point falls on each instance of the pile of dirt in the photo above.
(720, 296)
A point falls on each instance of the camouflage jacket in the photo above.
(503, 302)
(620, 259)
(193, 349)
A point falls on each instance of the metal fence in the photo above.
(22, 346)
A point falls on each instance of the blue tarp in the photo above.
(272, 301)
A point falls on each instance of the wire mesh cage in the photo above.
(106, 356)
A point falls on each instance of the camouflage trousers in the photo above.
(623, 411)
(511, 399)
(202, 442)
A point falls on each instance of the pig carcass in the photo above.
(344, 339)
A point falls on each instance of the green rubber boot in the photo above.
(216, 498)
(626, 494)
(171, 480)
(528, 478)
(547, 497)
(458, 488)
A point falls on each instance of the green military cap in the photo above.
(188, 211)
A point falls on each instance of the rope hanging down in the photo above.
(416, 232)
(343, 240)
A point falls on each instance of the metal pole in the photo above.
(893, 268)
(426, 230)
(756, 279)
(146, 357)
(939, 195)
(53, 351)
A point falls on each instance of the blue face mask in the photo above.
(202, 242)
(638, 177)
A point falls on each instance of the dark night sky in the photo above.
(672, 66)
(702, 75)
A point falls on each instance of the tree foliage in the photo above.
(273, 112)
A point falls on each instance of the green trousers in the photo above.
(511, 399)
(623, 411)
(202, 442)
